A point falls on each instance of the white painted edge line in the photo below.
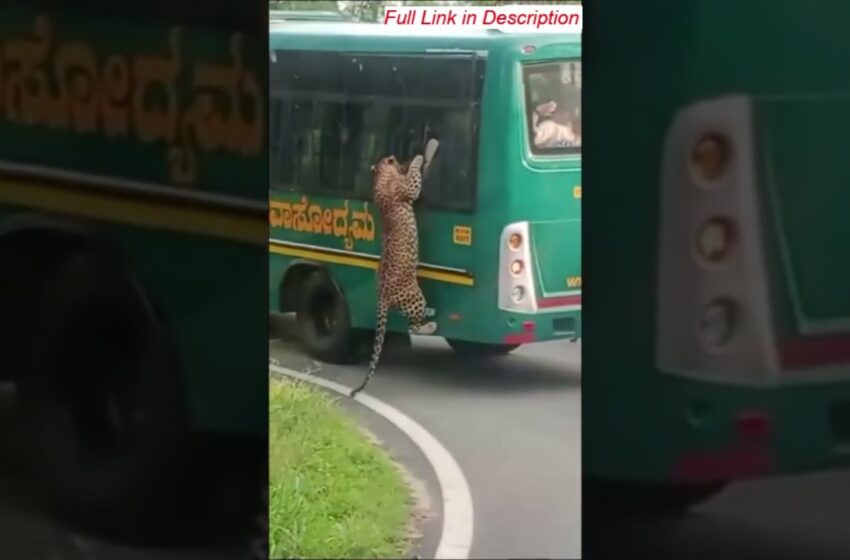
(456, 537)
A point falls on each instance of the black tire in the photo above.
(611, 498)
(102, 406)
(324, 322)
(469, 349)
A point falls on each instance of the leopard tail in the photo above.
(380, 333)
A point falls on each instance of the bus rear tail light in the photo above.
(516, 279)
(753, 425)
(517, 294)
(715, 241)
(515, 241)
(710, 157)
(713, 313)
(716, 325)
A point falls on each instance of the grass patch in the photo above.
(332, 493)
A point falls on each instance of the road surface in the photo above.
(29, 531)
(512, 423)
(793, 518)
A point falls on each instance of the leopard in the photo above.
(395, 190)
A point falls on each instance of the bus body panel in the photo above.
(459, 248)
(546, 189)
(119, 158)
(807, 222)
(643, 424)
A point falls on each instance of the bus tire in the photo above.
(324, 321)
(606, 497)
(469, 349)
(101, 404)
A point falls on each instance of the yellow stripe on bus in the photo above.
(352, 260)
(156, 214)
(450, 277)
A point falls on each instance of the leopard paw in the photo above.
(431, 149)
(425, 328)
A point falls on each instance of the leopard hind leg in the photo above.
(416, 309)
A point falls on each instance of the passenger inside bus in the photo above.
(554, 128)
(555, 105)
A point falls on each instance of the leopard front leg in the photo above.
(411, 187)
(415, 308)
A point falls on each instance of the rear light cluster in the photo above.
(713, 312)
(713, 241)
(517, 267)
(516, 281)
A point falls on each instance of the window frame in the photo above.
(569, 151)
(471, 104)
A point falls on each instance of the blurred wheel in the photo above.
(324, 323)
(101, 401)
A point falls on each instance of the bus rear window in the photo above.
(553, 106)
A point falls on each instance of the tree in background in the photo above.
(362, 10)
(365, 10)
(302, 5)
(509, 2)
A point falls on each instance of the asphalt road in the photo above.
(792, 518)
(514, 426)
(31, 531)
(512, 423)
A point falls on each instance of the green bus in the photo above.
(720, 332)
(500, 212)
(132, 210)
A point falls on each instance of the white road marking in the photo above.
(456, 538)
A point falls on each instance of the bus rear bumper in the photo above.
(785, 430)
(540, 327)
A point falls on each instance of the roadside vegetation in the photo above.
(332, 492)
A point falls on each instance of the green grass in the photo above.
(332, 493)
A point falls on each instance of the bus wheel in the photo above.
(606, 497)
(324, 323)
(469, 349)
(100, 401)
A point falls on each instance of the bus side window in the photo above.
(373, 93)
(336, 114)
(441, 97)
(275, 138)
(553, 106)
(308, 85)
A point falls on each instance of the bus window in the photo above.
(373, 93)
(305, 94)
(442, 100)
(339, 113)
(276, 140)
(553, 105)
(411, 98)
